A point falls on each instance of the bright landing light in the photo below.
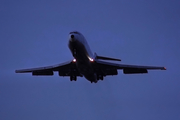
(74, 60)
(91, 59)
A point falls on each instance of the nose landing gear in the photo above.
(74, 52)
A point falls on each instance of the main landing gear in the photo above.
(94, 81)
(73, 77)
(100, 77)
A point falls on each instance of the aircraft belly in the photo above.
(78, 50)
(82, 61)
(86, 69)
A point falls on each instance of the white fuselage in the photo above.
(83, 55)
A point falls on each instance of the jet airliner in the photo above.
(92, 66)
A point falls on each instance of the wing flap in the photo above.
(47, 68)
(48, 73)
(134, 70)
(123, 66)
(127, 69)
(64, 69)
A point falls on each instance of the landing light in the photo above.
(74, 60)
(92, 60)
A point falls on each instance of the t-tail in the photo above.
(105, 58)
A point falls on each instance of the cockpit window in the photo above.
(75, 32)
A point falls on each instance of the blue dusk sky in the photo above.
(34, 33)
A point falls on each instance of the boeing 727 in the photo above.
(87, 64)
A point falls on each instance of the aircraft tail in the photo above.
(105, 58)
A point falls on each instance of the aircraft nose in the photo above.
(72, 36)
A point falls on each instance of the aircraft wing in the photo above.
(107, 67)
(65, 69)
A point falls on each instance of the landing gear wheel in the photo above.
(73, 78)
(100, 77)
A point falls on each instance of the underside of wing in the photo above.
(133, 69)
(127, 69)
(65, 69)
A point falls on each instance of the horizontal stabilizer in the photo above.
(107, 58)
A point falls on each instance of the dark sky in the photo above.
(34, 33)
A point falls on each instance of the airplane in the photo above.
(92, 66)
